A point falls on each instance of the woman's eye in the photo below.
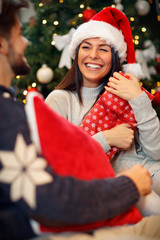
(85, 47)
(103, 50)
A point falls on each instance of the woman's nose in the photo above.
(93, 53)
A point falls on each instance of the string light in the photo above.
(153, 91)
(113, 6)
(34, 84)
(136, 37)
(40, 4)
(24, 101)
(80, 15)
(60, 1)
(56, 23)
(44, 21)
(143, 29)
(82, 6)
(18, 76)
(136, 42)
(25, 92)
(132, 19)
(53, 43)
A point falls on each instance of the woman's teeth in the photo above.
(94, 66)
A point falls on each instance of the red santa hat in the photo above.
(111, 25)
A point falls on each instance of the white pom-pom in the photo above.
(134, 68)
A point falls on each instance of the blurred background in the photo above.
(49, 25)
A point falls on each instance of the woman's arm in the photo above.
(120, 136)
(148, 124)
(58, 102)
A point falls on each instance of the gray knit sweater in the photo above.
(144, 150)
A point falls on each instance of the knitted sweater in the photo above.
(65, 200)
(145, 149)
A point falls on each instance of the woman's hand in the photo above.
(141, 177)
(120, 136)
(122, 87)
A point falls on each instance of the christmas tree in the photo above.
(50, 29)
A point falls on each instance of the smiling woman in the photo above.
(94, 64)
(101, 48)
(94, 61)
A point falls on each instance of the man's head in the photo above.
(8, 10)
(12, 43)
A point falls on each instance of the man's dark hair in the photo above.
(8, 10)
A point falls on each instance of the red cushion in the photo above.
(72, 152)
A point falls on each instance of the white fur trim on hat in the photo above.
(104, 31)
(134, 68)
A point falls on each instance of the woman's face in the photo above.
(94, 61)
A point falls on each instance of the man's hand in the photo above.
(141, 177)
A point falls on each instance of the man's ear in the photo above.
(3, 46)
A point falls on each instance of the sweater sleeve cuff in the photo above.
(126, 184)
(142, 104)
(99, 137)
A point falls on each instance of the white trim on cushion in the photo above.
(31, 118)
